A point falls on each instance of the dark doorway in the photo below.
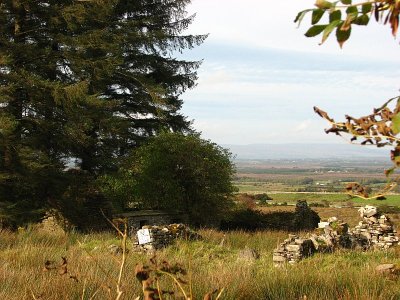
(143, 223)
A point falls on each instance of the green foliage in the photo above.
(263, 198)
(84, 81)
(388, 209)
(118, 189)
(304, 217)
(186, 173)
(82, 205)
(307, 180)
(345, 14)
(396, 124)
(244, 219)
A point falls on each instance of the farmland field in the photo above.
(314, 180)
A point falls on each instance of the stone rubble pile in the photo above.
(150, 238)
(333, 234)
(293, 249)
(375, 231)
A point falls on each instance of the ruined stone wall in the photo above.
(136, 222)
(374, 231)
(150, 238)
(137, 219)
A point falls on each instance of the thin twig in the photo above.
(112, 224)
(96, 291)
(159, 289)
(123, 261)
(220, 293)
(83, 290)
(33, 295)
(176, 281)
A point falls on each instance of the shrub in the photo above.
(253, 220)
(262, 198)
(180, 172)
(305, 218)
(245, 200)
(386, 209)
(244, 219)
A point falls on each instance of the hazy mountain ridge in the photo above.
(307, 151)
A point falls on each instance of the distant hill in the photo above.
(307, 151)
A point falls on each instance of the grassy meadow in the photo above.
(333, 198)
(211, 263)
(31, 264)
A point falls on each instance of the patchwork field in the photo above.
(314, 180)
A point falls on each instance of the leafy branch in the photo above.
(342, 15)
(381, 128)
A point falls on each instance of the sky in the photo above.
(261, 77)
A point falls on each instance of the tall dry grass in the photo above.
(211, 263)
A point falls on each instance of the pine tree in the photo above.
(82, 83)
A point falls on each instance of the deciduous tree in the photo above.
(184, 173)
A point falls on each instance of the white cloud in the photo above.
(261, 96)
(258, 23)
(303, 126)
(262, 131)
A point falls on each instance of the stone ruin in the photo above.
(293, 250)
(374, 231)
(137, 219)
(150, 238)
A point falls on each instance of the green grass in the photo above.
(392, 200)
(333, 198)
(261, 187)
(212, 262)
(310, 197)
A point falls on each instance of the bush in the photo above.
(305, 218)
(386, 209)
(262, 198)
(252, 220)
(245, 201)
(279, 220)
(244, 219)
(323, 203)
(184, 173)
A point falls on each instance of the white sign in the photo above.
(323, 224)
(143, 236)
